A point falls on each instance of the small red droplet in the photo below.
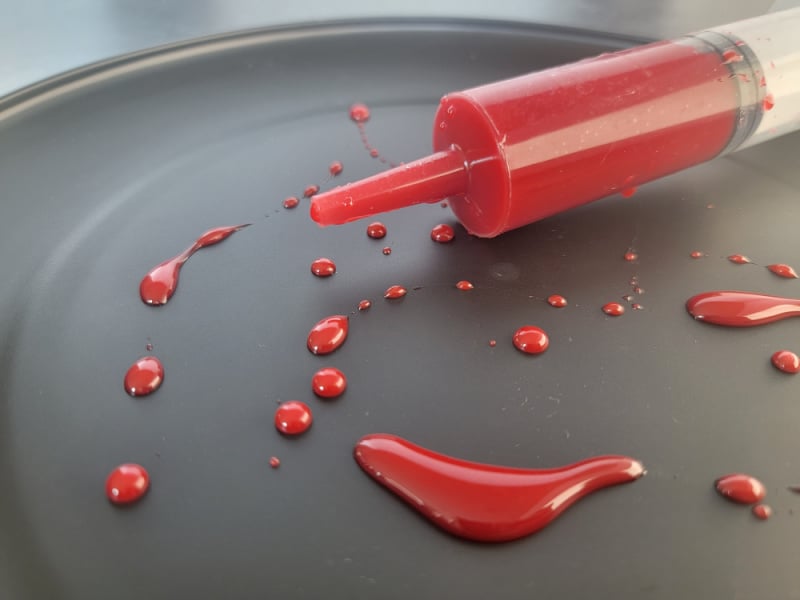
(274, 462)
(442, 233)
(768, 102)
(328, 334)
(762, 511)
(394, 292)
(376, 230)
(786, 361)
(557, 301)
(373, 152)
(782, 270)
(613, 309)
(144, 376)
(293, 417)
(127, 483)
(387, 250)
(762, 82)
(465, 285)
(731, 56)
(638, 290)
(492, 343)
(697, 254)
(741, 488)
(329, 383)
(359, 113)
(631, 256)
(628, 192)
(148, 346)
(335, 168)
(291, 202)
(739, 259)
(531, 340)
(364, 305)
(443, 204)
(310, 190)
(636, 306)
(323, 267)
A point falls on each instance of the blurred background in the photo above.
(39, 38)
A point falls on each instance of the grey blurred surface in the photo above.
(39, 38)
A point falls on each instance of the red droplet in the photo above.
(531, 339)
(628, 298)
(442, 233)
(364, 305)
(731, 56)
(739, 259)
(762, 511)
(697, 254)
(387, 250)
(394, 292)
(293, 417)
(628, 192)
(741, 309)
(443, 204)
(613, 309)
(310, 190)
(557, 301)
(465, 285)
(291, 202)
(768, 102)
(786, 361)
(359, 113)
(631, 256)
(328, 383)
(144, 376)
(328, 334)
(127, 483)
(762, 82)
(274, 462)
(374, 153)
(492, 343)
(157, 287)
(741, 488)
(376, 230)
(636, 306)
(782, 270)
(323, 267)
(335, 168)
(638, 290)
(483, 502)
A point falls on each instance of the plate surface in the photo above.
(108, 171)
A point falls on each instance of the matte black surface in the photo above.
(102, 181)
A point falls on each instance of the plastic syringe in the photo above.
(516, 151)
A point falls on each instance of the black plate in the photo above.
(107, 171)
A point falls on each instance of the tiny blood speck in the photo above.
(492, 343)
(697, 254)
(274, 462)
(631, 256)
(387, 250)
(762, 511)
(739, 259)
(335, 168)
(731, 56)
(464, 285)
(628, 192)
(636, 306)
(768, 102)
(291, 202)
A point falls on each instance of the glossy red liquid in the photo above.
(631, 256)
(557, 301)
(741, 488)
(293, 417)
(274, 462)
(516, 151)
(442, 233)
(782, 270)
(531, 340)
(158, 286)
(786, 361)
(323, 267)
(768, 102)
(762, 511)
(387, 250)
(144, 376)
(613, 309)
(127, 483)
(364, 304)
(481, 502)
(376, 230)
(492, 343)
(739, 259)
(465, 285)
(359, 113)
(741, 309)
(697, 254)
(335, 168)
(328, 334)
(329, 383)
(394, 292)
(311, 190)
(291, 202)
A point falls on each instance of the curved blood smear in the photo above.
(741, 488)
(741, 309)
(613, 309)
(782, 270)
(323, 267)
(531, 339)
(158, 286)
(144, 376)
(328, 334)
(465, 285)
(739, 259)
(376, 230)
(329, 383)
(786, 361)
(442, 233)
(483, 502)
(557, 301)
(127, 483)
(395, 291)
(293, 417)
